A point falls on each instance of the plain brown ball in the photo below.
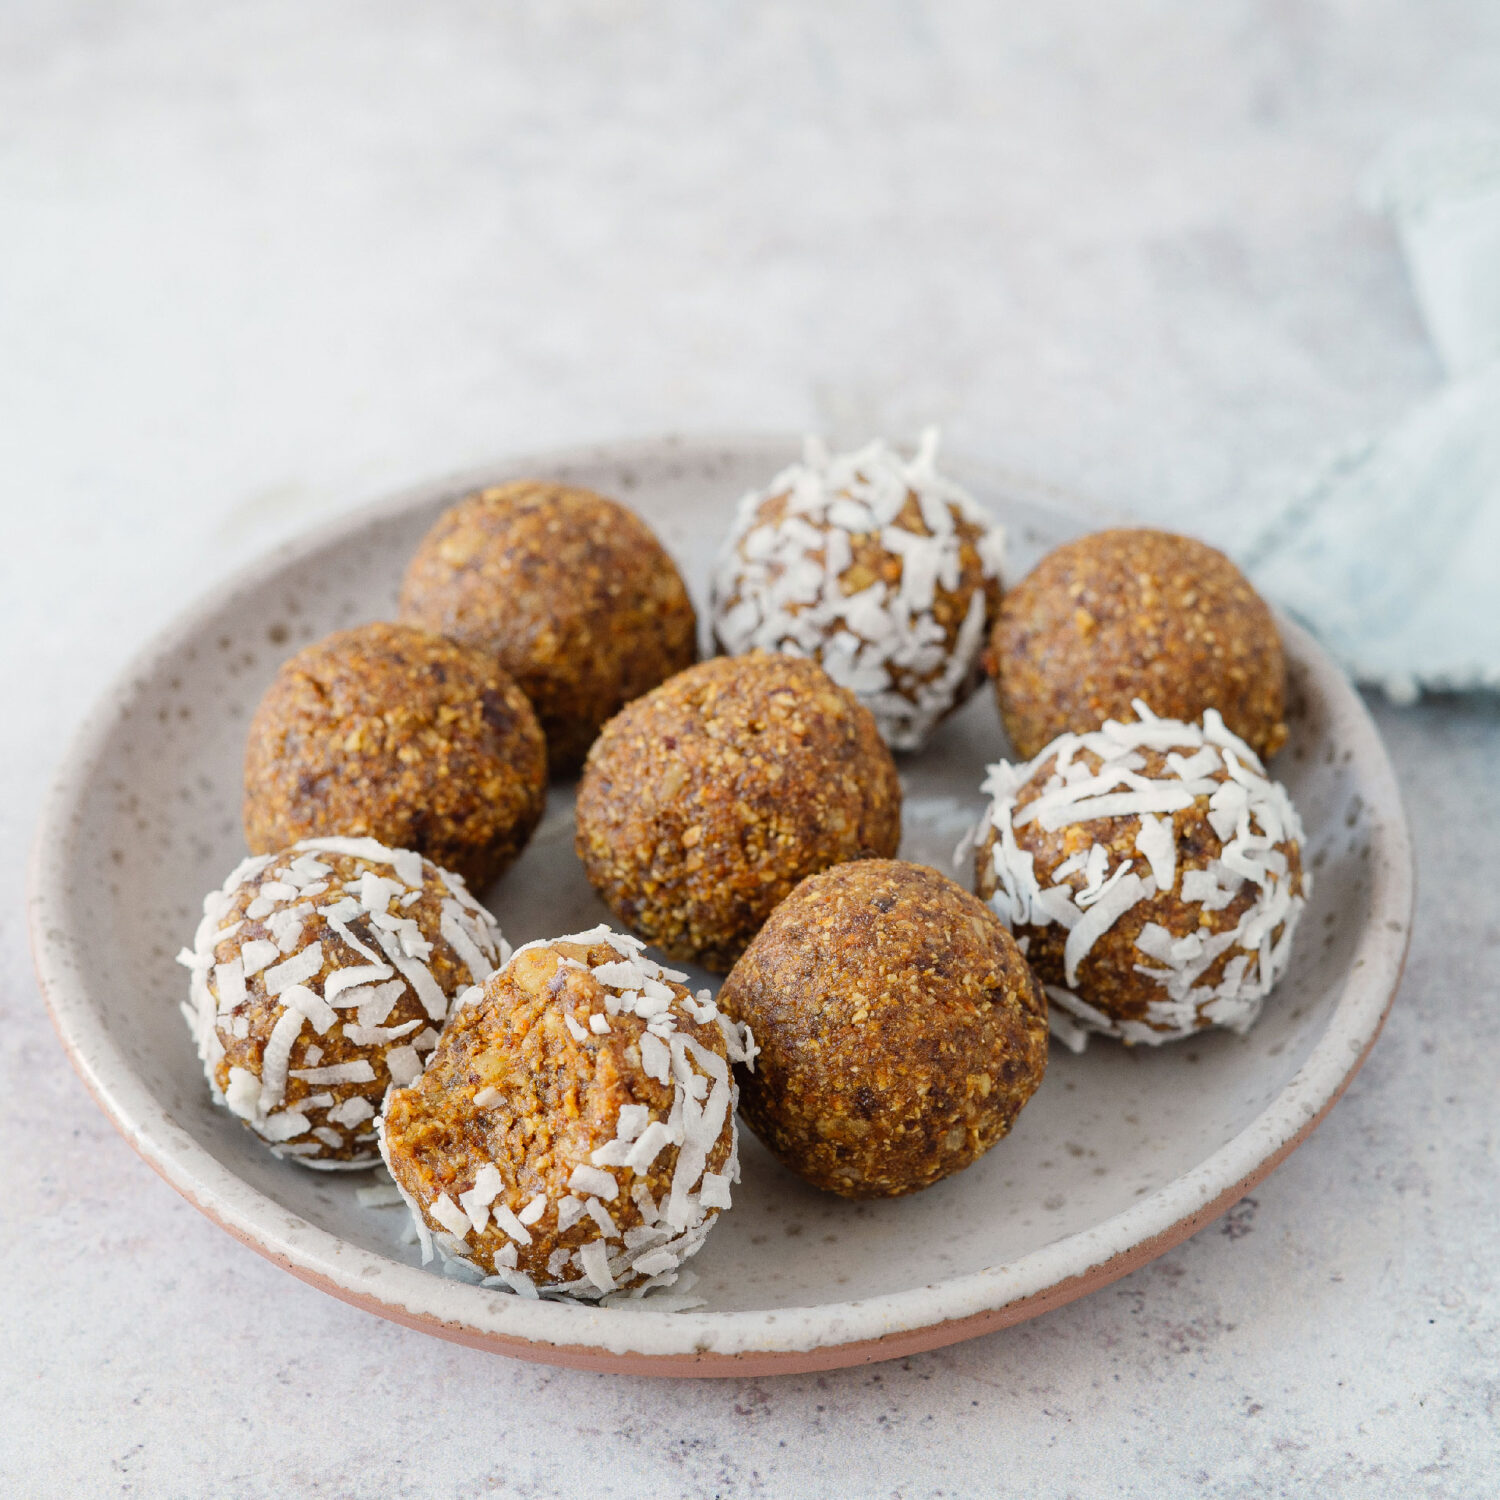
(706, 801)
(395, 733)
(900, 1030)
(1129, 614)
(570, 592)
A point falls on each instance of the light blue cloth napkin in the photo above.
(1391, 555)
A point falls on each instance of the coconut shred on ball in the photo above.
(1151, 872)
(879, 568)
(574, 1132)
(320, 976)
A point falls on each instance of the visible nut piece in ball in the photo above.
(1130, 614)
(882, 570)
(706, 801)
(575, 1129)
(321, 976)
(571, 593)
(394, 733)
(900, 1030)
(1152, 874)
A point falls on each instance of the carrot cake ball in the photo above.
(882, 570)
(899, 1029)
(571, 593)
(706, 801)
(574, 1131)
(1152, 875)
(322, 975)
(1130, 614)
(398, 734)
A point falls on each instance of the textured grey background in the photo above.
(259, 262)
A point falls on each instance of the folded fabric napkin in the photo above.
(1391, 555)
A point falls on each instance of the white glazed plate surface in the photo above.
(1121, 1153)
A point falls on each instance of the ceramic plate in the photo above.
(1120, 1155)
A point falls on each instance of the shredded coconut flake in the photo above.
(449, 1215)
(243, 1093)
(274, 1061)
(586, 1179)
(382, 1195)
(702, 1109)
(358, 1071)
(782, 584)
(256, 954)
(656, 1060)
(594, 1258)
(418, 975)
(356, 977)
(507, 1222)
(715, 1193)
(229, 979)
(295, 970)
(461, 935)
(283, 1125)
(377, 1036)
(1252, 817)
(317, 1010)
(650, 1144)
(404, 1065)
(355, 1110)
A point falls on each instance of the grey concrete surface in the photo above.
(260, 262)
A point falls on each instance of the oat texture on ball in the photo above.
(393, 733)
(571, 593)
(1152, 873)
(899, 1029)
(1135, 613)
(574, 1133)
(879, 567)
(320, 976)
(703, 803)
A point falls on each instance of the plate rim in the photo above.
(848, 1333)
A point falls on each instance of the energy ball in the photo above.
(1152, 875)
(575, 1129)
(883, 571)
(571, 593)
(899, 1029)
(1131, 614)
(398, 734)
(320, 975)
(703, 803)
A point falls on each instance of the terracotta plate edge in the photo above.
(752, 1362)
(755, 1363)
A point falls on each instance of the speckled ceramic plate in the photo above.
(1120, 1155)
